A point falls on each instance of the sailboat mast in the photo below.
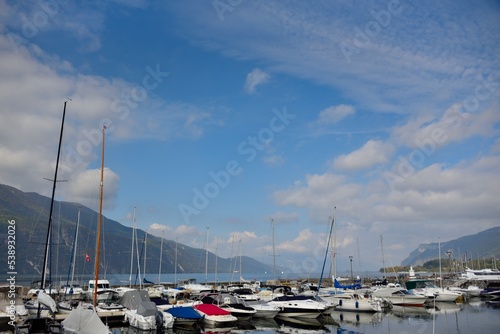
(206, 259)
(75, 247)
(383, 257)
(161, 255)
(49, 227)
(274, 253)
(132, 252)
(175, 271)
(145, 251)
(440, 274)
(216, 249)
(326, 254)
(241, 277)
(99, 219)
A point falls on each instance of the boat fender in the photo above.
(340, 302)
(159, 320)
(357, 304)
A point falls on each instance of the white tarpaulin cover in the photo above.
(84, 321)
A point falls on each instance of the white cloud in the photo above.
(371, 153)
(255, 78)
(274, 160)
(430, 133)
(33, 90)
(333, 115)
(84, 188)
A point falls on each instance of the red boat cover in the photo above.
(210, 309)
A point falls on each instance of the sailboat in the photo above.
(348, 297)
(38, 323)
(85, 319)
(74, 291)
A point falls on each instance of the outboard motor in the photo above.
(159, 322)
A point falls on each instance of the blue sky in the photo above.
(227, 114)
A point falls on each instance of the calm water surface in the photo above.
(473, 317)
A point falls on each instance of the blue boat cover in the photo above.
(186, 312)
(349, 286)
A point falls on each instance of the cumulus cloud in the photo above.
(428, 133)
(33, 89)
(255, 78)
(84, 188)
(371, 153)
(333, 115)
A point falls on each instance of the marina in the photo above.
(471, 313)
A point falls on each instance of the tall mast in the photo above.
(175, 271)
(132, 252)
(274, 253)
(334, 257)
(383, 257)
(216, 249)
(330, 219)
(440, 276)
(49, 227)
(241, 277)
(161, 254)
(206, 259)
(99, 219)
(145, 251)
(74, 248)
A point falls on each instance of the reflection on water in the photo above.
(474, 317)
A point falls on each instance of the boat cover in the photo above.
(186, 312)
(146, 309)
(132, 299)
(349, 286)
(84, 321)
(210, 309)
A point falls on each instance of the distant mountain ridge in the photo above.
(485, 244)
(31, 211)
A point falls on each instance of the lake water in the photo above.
(475, 316)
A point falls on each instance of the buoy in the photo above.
(357, 304)
(340, 302)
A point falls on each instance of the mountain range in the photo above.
(29, 213)
(483, 245)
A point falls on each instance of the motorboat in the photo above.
(398, 295)
(230, 303)
(263, 309)
(213, 315)
(193, 287)
(184, 315)
(355, 301)
(84, 320)
(482, 274)
(426, 288)
(298, 306)
(103, 287)
(141, 312)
